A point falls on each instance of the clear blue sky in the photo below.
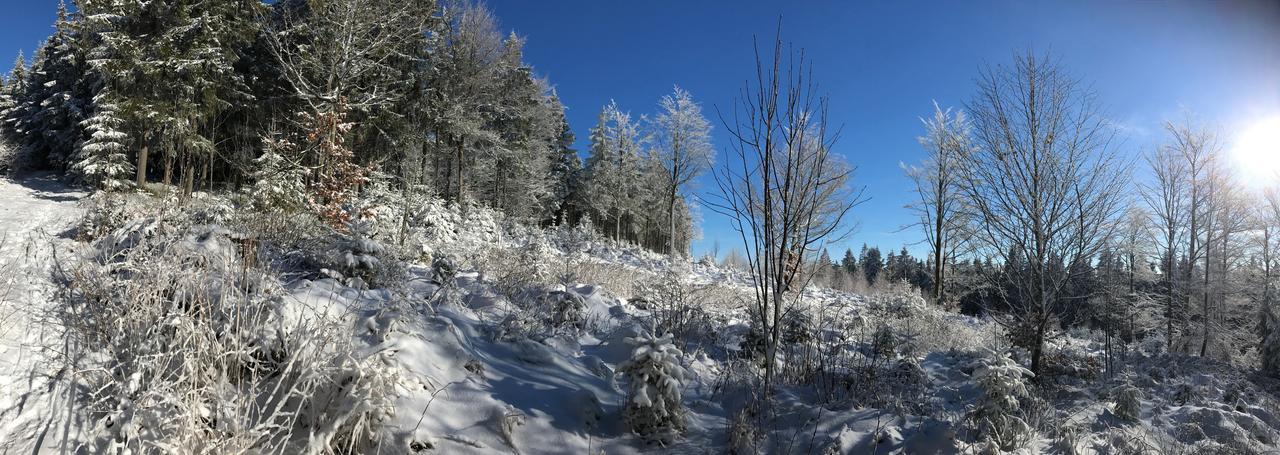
(883, 64)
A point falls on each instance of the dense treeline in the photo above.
(303, 102)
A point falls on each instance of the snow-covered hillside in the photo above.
(230, 335)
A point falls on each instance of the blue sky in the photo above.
(883, 64)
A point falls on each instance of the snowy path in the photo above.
(36, 216)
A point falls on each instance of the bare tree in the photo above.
(1225, 216)
(1198, 148)
(784, 189)
(1268, 215)
(1166, 197)
(345, 56)
(684, 147)
(1044, 185)
(938, 207)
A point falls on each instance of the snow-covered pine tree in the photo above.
(613, 172)
(279, 181)
(462, 83)
(597, 174)
(102, 159)
(566, 171)
(515, 175)
(58, 97)
(11, 88)
(997, 415)
(173, 66)
(654, 410)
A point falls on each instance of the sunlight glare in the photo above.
(1257, 151)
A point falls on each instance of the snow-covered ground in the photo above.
(523, 351)
(37, 215)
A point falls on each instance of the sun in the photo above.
(1257, 151)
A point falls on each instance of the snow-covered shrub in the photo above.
(908, 380)
(997, 416)
(1186, 393)
(675, 306)
(884, 343)
(564, 309)
(1132, 440)
(1128, 402)
(7, 155)
(530, 266)
(444, 271)
(104, 212)
(1270, 349)
(189, 347)
(653, 410)
(520, 325)
(1153, 344)
(752, 345)
(1071, 362)
(573, 242)
(14, 159)
(897, 300)
(797, 327)
(362, 258)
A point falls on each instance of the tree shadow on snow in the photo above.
(48, 186)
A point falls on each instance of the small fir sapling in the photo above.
(653, 410)
(997, 415)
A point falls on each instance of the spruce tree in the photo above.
(102, 160)
(566, 171)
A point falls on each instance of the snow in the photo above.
(478, 356)
(36, 217)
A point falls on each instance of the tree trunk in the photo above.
(142, 165)
(671, 218)
(168, 167)
(459, 153)
(188, 174)
(1037, 351)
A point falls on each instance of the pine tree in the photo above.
(516, 176)
(566, 171)
(102, 160)
(11, 98)
(173, 65)
(11, 89)
(614, 169)
(871, 263)
(654, 410)
(849, 263)
(58, 97)
(279, 182)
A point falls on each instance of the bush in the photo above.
(1128, 402)
(675, 306)
(104, 212)
(529, 267)
(997, 416)
(563, 309)
(653, 410)
(189, 347)
(744, 436)
(7, 155)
